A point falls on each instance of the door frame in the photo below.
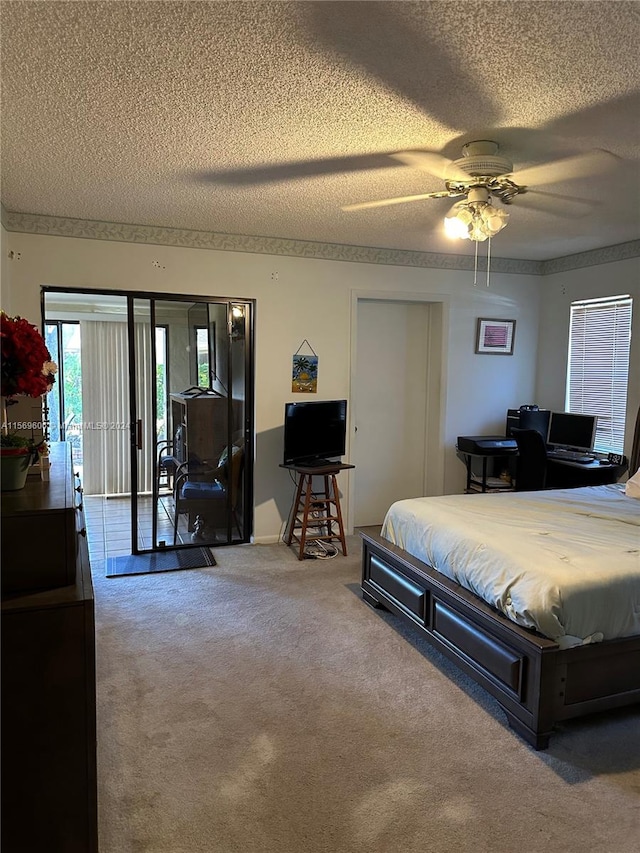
(437, 359)
(249, 408)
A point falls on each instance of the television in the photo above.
(314, 431)
(572, 431)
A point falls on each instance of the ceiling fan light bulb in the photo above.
(478, 234)
(455, 228)
(496, 221)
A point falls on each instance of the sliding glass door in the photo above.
(157, 393)
(190, 381)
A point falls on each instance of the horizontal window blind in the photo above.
(598, 371)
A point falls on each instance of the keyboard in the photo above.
(570, 456)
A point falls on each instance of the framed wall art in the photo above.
(304, 374)
(495, 337)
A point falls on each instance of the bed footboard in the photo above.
(536, 683)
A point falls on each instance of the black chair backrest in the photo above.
(531, 464)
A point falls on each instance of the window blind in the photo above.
(598, 369)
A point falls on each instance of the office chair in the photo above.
(531, 463)
(207, 492)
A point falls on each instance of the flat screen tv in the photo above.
(573, 431)
(314, 431)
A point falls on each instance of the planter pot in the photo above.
(14, 467)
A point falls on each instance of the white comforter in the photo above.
(565, 562)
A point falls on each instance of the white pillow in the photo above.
(632, 488)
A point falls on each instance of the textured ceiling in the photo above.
(265, 118)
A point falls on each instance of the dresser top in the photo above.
(40, 496)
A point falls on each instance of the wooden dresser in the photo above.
(49, 791)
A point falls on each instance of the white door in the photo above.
(390, 395)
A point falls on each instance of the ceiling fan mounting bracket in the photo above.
(479, 147)
(500, 187)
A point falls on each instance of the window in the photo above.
(162, 382)
(202, 356)
(598, 369)
(65, 399)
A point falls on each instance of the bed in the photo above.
(536, 595)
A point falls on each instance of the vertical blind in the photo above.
(598, 370)
(105, 406)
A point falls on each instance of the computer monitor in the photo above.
(573, 431)
(537, 419)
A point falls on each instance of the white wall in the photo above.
(5, 248)
(310, 299)
(558, 292)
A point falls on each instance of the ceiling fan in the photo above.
(482, 174)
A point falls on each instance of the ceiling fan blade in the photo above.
(301, 169)
(581, 166)
(431, 162)
(558, 205)
(385, 202)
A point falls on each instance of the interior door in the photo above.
(191, 381)
(390, 406)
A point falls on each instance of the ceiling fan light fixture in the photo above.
(458, 221)
(474, 220)
(493, 219)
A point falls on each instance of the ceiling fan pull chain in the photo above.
(475, 266)
(488, 259)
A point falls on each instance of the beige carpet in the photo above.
(260, 706)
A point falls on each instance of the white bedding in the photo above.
(565, 562)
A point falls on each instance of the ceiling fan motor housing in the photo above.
(482, 159)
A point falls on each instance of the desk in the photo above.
(487, 481)
(315, 514)
(495, 458)
(564, 474)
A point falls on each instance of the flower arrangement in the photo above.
(27, 368)
(16, 445)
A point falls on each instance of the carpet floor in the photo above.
(259, 706)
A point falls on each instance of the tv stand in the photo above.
(316, 515)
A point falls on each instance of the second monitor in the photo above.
(572, 431)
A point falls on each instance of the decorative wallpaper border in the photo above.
(620, 252)
(56, 226)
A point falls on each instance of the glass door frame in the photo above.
(248, 306)
(248, 425)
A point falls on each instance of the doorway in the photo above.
(166, 414)
(397, 408)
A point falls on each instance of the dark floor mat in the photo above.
(159, 561)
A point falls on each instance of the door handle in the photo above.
(139, 434)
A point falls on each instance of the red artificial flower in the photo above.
(27, 368)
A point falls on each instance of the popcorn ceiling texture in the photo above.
(262, 119)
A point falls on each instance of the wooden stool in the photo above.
(316, 515)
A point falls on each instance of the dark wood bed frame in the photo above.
(536, 683)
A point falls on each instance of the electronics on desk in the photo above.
(486, 445)
(569, 436)
(528, 417)
(573, 433)
(616, 459)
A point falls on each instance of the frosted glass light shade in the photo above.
(474, 220)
